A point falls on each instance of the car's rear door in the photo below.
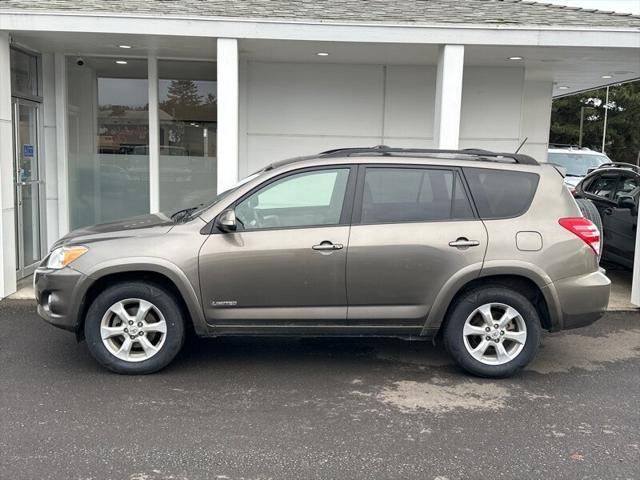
(413, 229)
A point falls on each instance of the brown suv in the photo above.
(482, 249)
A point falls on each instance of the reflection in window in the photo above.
(24, 73)
(188, 119)
(108, 140)
(304, 199)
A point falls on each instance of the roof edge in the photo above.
(312, 22)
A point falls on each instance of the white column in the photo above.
(62, 142)
(446, 125)
(227, 138)
(7, 189)
(50, 149)
(635, 283)
(154, 136)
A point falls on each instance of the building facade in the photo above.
(110, 109)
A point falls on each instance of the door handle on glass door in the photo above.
(327, 246)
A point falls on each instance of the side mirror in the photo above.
(626, 201)
(226, 221)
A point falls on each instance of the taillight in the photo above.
(585, 229)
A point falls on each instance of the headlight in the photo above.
(63, 256)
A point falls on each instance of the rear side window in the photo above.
(501, 193)
(399, 195)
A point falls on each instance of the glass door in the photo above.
(28, 185)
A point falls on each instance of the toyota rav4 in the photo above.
(482, 250)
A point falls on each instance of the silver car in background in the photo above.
(477, 249)
(576, 161)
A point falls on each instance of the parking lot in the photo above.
(318, 408)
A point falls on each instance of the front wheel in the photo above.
(492, 331)
(134, 328)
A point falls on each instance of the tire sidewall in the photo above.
(162, 300)
(465, 305)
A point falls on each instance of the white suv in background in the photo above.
(577, 161)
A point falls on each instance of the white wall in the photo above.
(49, 151)
(294, 109)
(7, 210)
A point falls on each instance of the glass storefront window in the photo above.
(108, 140)
(188, 124)
(24, 74)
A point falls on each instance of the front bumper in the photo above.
(580, 300)
(59, 296)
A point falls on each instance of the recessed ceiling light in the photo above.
(563, 87)
(322, 54)
(121, 62)
(607, 76)
(516, 58)
(124, 46)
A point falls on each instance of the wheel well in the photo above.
(146, 276)
(522, 285)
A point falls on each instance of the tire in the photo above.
(468, 308)
(154, 337)
(590, 212)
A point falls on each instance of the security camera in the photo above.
(79, 61)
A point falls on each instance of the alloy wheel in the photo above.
(494, 333)
(133, 330)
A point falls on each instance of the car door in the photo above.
(620, 224)
(284, 266)
(413, 229)
(600, 189)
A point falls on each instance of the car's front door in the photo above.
(620, 224)
(413, 229)
(284, 266)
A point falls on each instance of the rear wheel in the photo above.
(590, 212)
(134, 328)
(492, 331)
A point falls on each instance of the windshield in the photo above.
(198, 209)
(577, 164)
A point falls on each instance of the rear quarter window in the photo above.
(501, 193)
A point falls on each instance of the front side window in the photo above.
(304, 199)
(626, 186)
(603, 186)
(400, 195)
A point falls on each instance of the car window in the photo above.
(501, 193)
(305, 199)
(397, 195)
(602, 186)
(626, 185)
(577, 164)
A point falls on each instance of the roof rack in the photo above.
(390, 151)
(630, 166)
(572, 146)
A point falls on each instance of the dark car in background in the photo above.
(613, 189)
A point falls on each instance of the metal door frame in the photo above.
(23, 270)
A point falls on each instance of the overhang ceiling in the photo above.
(575, 68)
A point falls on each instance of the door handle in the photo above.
(463, 242)
(327, 246)
(30, 182)
(608, 211)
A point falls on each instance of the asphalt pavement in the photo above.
(239, 408)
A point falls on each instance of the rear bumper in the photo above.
(580, 300)
(58, 295)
